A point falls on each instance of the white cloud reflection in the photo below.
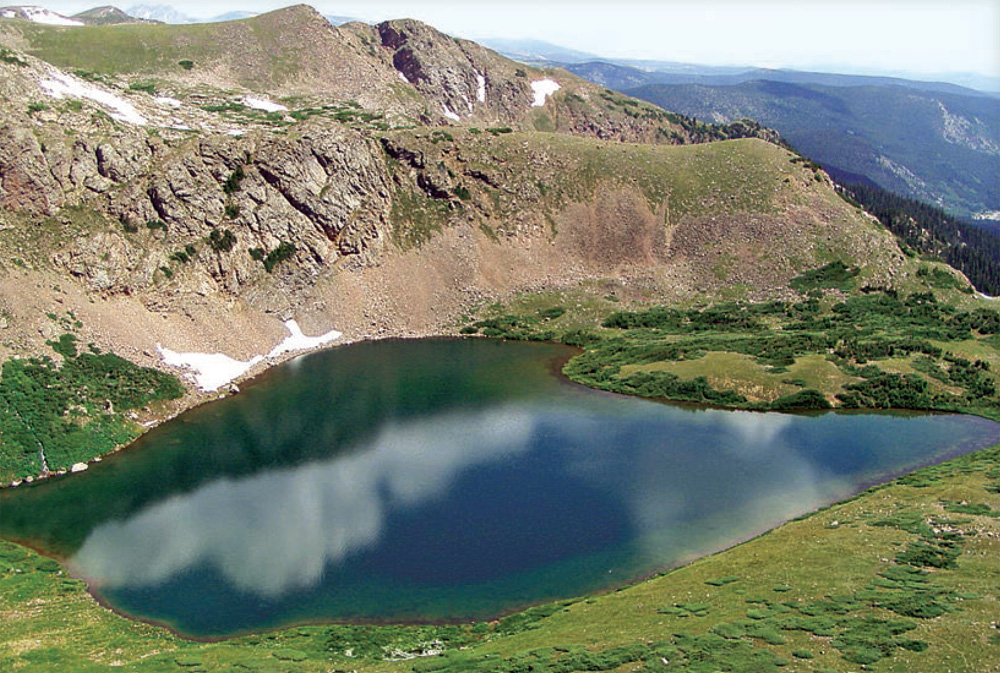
(719, 477)
(689, 483)
(276, 532)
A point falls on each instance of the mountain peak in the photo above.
(162, 13)
(37, 14)
(299, 10)
(106, 15)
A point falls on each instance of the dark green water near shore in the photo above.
(441, 480)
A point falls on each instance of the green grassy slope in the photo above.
(876, 348)
(265, 52)
(743, 215)
(935, 146)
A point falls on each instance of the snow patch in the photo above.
(234, 132)
(480, 88)
(263, 104)
(39, 15)
(543, 88)
(449, 113)
(60, 85)
(167, 101)
(402, 76)
(297, 341)
(211, 371)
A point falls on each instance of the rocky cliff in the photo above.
(196, 207)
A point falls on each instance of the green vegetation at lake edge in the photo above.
(54, 415)
(876, 350)
(890, 580)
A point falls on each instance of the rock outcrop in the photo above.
(196, 206)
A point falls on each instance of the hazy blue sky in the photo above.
(912, 36)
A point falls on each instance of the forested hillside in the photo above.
(927, 230)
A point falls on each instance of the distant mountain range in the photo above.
(616, 75)
(167, 14)
(37, 15)
(933, 141)
(107, 15)
(541, 53)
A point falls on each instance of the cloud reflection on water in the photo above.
(277, 531)
(722, 475)
(688, 482)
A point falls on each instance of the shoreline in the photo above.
(864, 488)
(195, 397)
(553, 367)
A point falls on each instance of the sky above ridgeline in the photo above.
(905, 37)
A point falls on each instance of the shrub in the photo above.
(281, 253)
(224, 107)
(232, 183)
(801, 400)
(580, 337)
(7, 56)
(64, 346)
(833, 275)
(36, 397)
(187, 64)
(148, 87)
(222, 240)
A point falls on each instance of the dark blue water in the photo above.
(431, 480)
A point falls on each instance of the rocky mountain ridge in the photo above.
(166, 205)
(37, 14)
(404, 70)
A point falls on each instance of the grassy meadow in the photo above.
(838, 346)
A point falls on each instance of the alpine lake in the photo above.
(441, 480)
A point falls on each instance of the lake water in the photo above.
(440, 480)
